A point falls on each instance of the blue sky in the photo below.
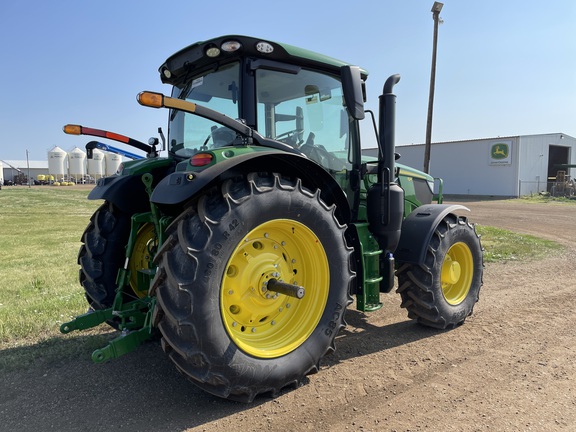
(503, 67)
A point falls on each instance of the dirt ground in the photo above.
(510, 367)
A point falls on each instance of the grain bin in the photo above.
(77, 163)
(1, 174)
(57, 162)
(96, 164)
(113, 161)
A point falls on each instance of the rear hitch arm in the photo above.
(88, 320)
(128, 341)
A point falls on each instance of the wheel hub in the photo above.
(451, 271)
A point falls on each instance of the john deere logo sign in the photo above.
(500, 153)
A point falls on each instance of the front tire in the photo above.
(220, 324)
(442, 291)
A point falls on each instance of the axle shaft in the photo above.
(275, 285)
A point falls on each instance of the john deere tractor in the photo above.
(242, 249)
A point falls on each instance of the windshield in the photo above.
(218, 90)
(302, 108)
(305, 110)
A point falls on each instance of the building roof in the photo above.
(23, 165)
(484, 139)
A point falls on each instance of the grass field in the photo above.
(504, 245)
(40, 230)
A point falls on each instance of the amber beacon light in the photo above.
(151, 99)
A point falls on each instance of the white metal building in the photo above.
(503, 166)
(12, 168)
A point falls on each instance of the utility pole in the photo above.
(28, 165)
(436, 8)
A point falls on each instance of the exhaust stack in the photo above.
(385, 198)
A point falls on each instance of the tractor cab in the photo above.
(275, 89)
(293, 100)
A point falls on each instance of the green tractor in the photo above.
(242, 249)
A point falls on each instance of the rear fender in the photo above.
(417, 230)
(125, 192)
(180, 187)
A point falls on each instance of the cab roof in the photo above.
(195, 56)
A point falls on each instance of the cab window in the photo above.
(305, 110)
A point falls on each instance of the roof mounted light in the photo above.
(213, 51)
(231, 46)
(166, 73)
(264, 47)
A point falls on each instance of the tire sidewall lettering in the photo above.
(220, 246)
(335, 320)
(208, 271)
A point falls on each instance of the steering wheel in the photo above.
(291, 137)
(319, 154)
(221, 137)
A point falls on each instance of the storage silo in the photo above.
(113, 161)
(57, 163)
(96, 164)
(77, 164)
(1, 174)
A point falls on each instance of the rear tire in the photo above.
(220, 325)
(103, 253)
(442, 291)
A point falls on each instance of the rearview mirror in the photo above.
(353, 94)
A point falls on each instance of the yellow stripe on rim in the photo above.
(263, 323)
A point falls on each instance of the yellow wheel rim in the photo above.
(457, 272)
(141, 255)
(263, 323)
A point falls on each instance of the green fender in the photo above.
(181, 186)
(417, 230)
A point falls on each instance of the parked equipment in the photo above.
(563, 185)
(244, 246)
